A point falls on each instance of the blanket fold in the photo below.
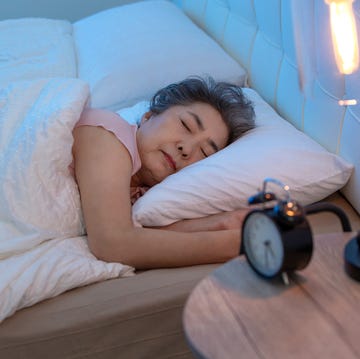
(39, 197)
(42, 248)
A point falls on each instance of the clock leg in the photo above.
(285, 278)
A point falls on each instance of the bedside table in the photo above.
(234, 313)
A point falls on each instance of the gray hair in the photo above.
(228, 99)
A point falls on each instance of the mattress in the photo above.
(138, 317)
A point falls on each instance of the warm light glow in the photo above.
(344, 35)
(352, 102)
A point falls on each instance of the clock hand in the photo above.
(267, 246)
(271, 249)
(266, 256)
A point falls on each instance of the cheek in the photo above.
(221, 136)
(196, 158)
(153, 168)
(149, 141)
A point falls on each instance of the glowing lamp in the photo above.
(344, 35)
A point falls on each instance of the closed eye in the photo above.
(204, 153)
(185, 125)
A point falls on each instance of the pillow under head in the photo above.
(225, 180)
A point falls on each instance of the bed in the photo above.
(56, 299)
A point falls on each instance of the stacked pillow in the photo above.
(33, 48)
(129, 52)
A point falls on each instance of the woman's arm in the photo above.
(214, 222)
(103, 172)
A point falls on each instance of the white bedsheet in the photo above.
(41, 251)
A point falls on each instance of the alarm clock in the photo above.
(277, 239)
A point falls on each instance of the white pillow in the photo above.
(225, 180)
(129, 52)
(35, 48)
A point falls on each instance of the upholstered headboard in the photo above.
(259, 34)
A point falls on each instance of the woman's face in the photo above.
(176, 138)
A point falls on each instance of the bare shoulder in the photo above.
(100, 158)
(91, 138)
(94, 144)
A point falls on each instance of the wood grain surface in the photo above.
(234, 313)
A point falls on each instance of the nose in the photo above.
(183, 152)
(188, 151)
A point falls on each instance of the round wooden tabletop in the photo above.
(234, 313)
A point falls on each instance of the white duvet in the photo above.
(42, 248)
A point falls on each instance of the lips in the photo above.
(169, 160)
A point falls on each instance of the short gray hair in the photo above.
(228, 99)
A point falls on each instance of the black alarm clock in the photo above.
(277, 239)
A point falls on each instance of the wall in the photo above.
(71, 10)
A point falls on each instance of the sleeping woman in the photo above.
(114, 161)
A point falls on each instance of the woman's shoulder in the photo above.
(113, 122)
(99, 117)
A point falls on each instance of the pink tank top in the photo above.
(124, 132)
(111, 121)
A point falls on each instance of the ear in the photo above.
(146, 116)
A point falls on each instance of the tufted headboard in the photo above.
(259, 34)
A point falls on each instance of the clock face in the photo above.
(263, 244)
